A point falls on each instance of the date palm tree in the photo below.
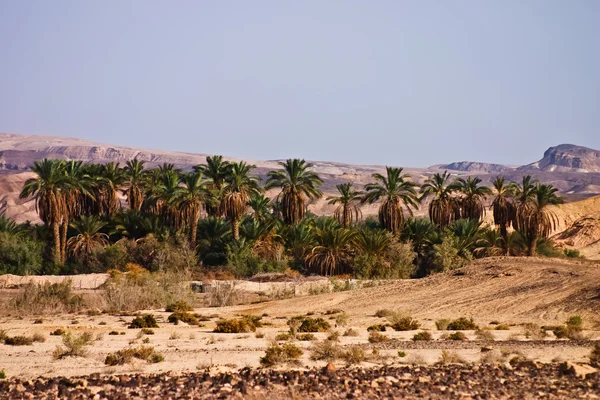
(47, 190)
(348, 209)
(503, 208)
(162, 195)
(443, 206)
(190, 200)
(216, 170)
(238, 188)
(135, 183)
(472, 197)
(261, 207)
(393, 190)
(87, 236)
(112, 179)
(333, 250)
(298, 185)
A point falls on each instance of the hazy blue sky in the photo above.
(373, 82)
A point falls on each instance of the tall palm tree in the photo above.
(112, 178)
(394, 190)
(135, 182)
(348, 209)
(472, 197)
(298, 185)
(162, 195)
(47, 189)
(333, 251)
(190, 201)
(503, 208)
(443, 206)
(76, 194)
(215, 169)
(87, 236)
(239, 187)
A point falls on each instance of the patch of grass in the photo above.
(462, 324)
(342, 319)
(46, 298)
(283, 337)
(58, 332)
(259, 335)
(125, 356)
(457, 336)
(424, 335)
(450, 357)
(502, 327)
(442, 324)
(284, 354)
(18, 340)
(2, 374)
(326, 350)
(351, 332)
(376, 337)
(533, 331)
(183, 316)
(383, 313)
(179, 306)
(75, 345)
(334, 336)
(147, 331)
(376, 328)
(38, 321)
(353, 355)
(306, 337)
(485, 335)
(143, 321)
(174, 335)
(401, 354)
(238, 325)
(38, 337)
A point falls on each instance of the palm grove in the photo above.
(216, 219)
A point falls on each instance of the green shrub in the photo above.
(2, 374)
(284, 354)
(314, 325)
(572, 253)
(183, 317)
(306, 337)
(401, 354)
(179, 306)
(376, 337)
(143, 321)
(442, 324)
(575, 323)
(424, 335)
(457, 336)
(462, 324)
(145, 353)
(376, 328)
(74, 345)
(19, 340)
(20, 255)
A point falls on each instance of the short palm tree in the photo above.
(372, 242)
(472, 197)
(298, 185)
(47, 189)
(443, 206)
(216, 170)
(135, 183)
(503, 208)
(9, 226)
(238, 189)
(348, 209)
(87, 236)
(333, 251)
(261, 207)
(190, 200)
(393, 190)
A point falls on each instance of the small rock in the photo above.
(330, 368)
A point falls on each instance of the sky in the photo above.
(410, 83)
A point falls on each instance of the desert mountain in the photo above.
(470, 166)
(567, 158)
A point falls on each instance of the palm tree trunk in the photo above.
(63, 240)
(235, 229)
(194, 228)
(56, 232)
(532, 245)
(346, 216)
(504, 234)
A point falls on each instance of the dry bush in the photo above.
(38, 337)
(306, 337)
(485, 335)
(384, 313)
(183, 316)
(462, 324)
(19, 340)
(285, 354)
(595, 355)
(327, 350)
(179, 306)
(75, 345)
(245, 324)
(310, 324)
(138, 289)
(354, 354)
(457, 336)
(45, 298)
(533, 331)
(502, 327)
(57, 332)
(342, 319)
(351, 332)
(416, 359)
(451, 357)
(442, 324)
(283, 337)
(376, 328)
(403, 323)
(224, 294)
(376, 337)
(259, 335)
(145, 353)
(143, 321)
(334, 336)
(424, 335)
(147, 331)
(491, 357)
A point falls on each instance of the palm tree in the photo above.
(88, 236)
(213, 236)
(190, 200)
(261, 207)
(472, 197)
(298, 185)
(348, 209)
(503, 208)
(112, 178)
(420, 233)
(76, 195)
(135, 181)
(443, 206)
(215, 169)
(239, 187)
(47, 190)
(299, 240)
(162, 196)
(394, 190)
(10, 227)
(524, 194)
(536, 220)
(333, 251)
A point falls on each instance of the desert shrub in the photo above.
(245, 260)
(401, 353)
(395, 262)
(245, 324)
(75, 345)
(143, 321)
(334, 336)
(462, 324)
(179, 306)
(46, 298)
(595, 355)
(351, 332)
(457, 336)
(533, 331)
(400, 322)
(353, 355)
(284, 354)
(376, 337)
(575, 323)
(282, 337)
(57, 332)
(306, 337)
(141, 290)
(314, 325)
(183, 316)
(446, 255)
(20, 255)
(502, 327)
(147, 331)
(2, 374)
(19, 340)
(113, 333)
(442, 324)
(259, 335)
(341, 319)
(38, 337)
(224, 294)
(327, 350)
(38, 321)
(546, 248)
(484, 335)
(424, 335)
(572, 253)
(560, 332)
(383, 313)
(450, 357)
(376, 328)
(145, 353)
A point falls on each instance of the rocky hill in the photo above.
(470, 166)
(566, 158)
